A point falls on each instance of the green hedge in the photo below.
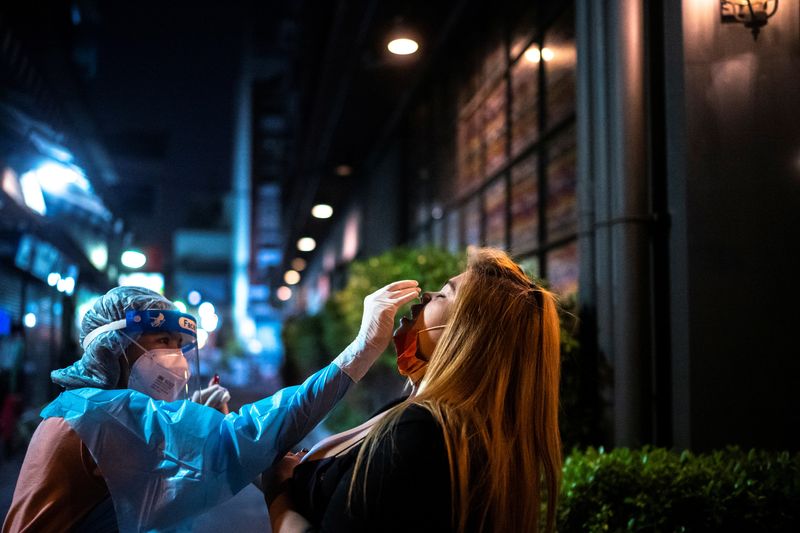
(654, 489)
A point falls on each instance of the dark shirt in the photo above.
(407, 483)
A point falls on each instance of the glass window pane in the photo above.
(469, 152)
(472, 221)
(495, 202)
(454, 231)
(524, 103)
(559, 57)
(494, 112)
(561, 207)
(562, 268)
(525, 205)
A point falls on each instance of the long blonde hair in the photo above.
(492, 384)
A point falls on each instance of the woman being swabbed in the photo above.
(476, 445)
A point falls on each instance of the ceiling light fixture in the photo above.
(284, 293)
(322, 211)
(299, 264)
(403, 46)
(291, 277)
(343, 170)
(306, 244)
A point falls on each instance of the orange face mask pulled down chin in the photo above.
(409, 358)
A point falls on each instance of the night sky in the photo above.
(162, 99)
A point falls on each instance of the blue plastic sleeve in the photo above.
(166, 463)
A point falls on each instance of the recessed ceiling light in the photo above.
(291, 277)
(322, 211)
(284, 293)
(299, 264)
(402, 46)
(306, 244)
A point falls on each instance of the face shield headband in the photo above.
(159, 320)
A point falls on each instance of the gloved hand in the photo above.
(377, 324)
(215, 396)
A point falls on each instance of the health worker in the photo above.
(134, 443)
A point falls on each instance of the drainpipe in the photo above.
(614, 204)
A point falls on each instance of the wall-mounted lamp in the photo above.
(752, 13)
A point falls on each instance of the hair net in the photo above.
(99, 365)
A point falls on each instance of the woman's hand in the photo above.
(281, 474)
(377, 325)
(282, 516)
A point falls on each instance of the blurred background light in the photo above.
(133, 259)
(402, 46)
(306, 244)
(55, 178)
(291, 277)
(284, 293)
(29, 320)
(98, 256)
(180, 305)
(32, 192)
(202, 338)
(194, 297)
(206, 309)
(255, 346)
(149, 280)
(66, 285)
(299, 264)
(209, 322)
(322, 211)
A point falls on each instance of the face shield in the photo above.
(176, 380)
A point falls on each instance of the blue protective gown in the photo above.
(166, 463)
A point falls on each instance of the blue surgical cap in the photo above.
(99, 366)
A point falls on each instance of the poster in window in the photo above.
(495, 205)
(559, 57)
(524, 102)
(525, 205)
(495, 123)
(562, 268)
(562, 204)
(454, 231)
(472, 221)
(470, 152)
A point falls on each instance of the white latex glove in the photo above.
(215, 396)
(377, 325)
